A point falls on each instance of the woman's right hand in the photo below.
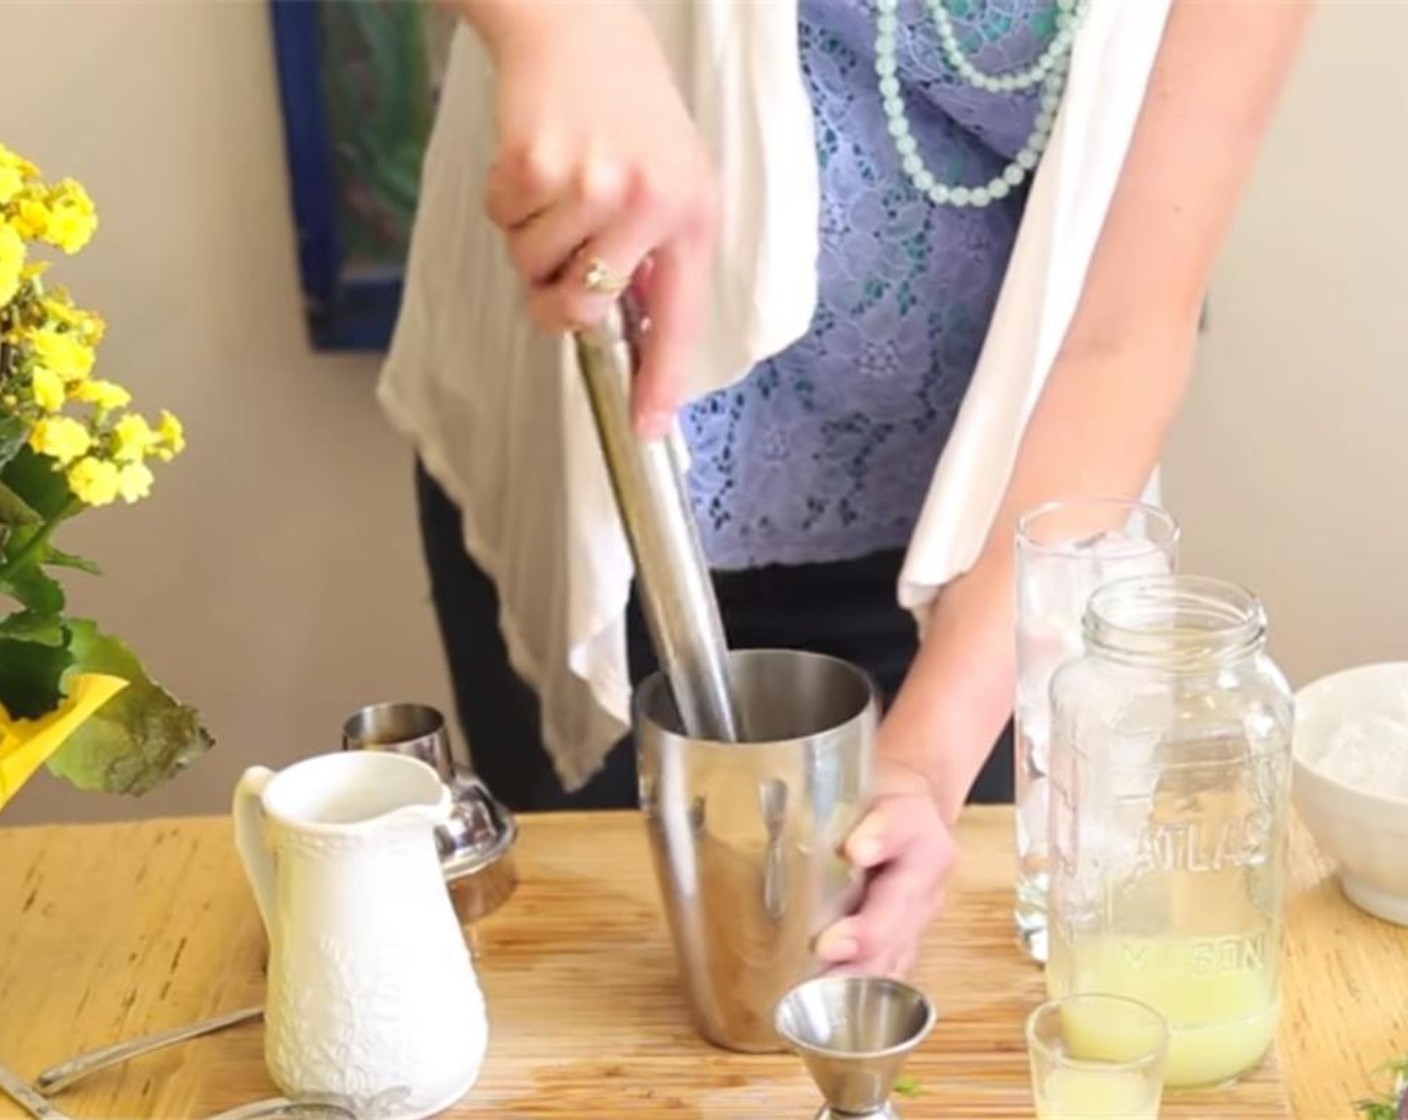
(599, 164)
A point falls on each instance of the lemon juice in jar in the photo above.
(1170, 775)
(1221, 1017)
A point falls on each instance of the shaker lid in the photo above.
(479, 832)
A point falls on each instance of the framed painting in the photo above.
(358, 84)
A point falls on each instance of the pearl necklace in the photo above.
(1048, 71)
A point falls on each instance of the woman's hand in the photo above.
(601, 181)
(908, 851)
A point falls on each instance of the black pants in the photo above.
(845, 609)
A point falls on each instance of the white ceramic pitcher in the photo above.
(372, 997)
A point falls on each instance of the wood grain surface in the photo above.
(110, 931)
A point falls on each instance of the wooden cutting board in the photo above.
(114, 931)
(586, 956)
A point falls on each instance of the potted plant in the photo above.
(72, 697)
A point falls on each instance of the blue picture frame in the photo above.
(351, 294)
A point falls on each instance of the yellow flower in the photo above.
(11, 182)
(61, 438)
(14, 172)
(94, 482)
(134, 482)
(72, 217)
(25, 744)
(65, 353)
(104, 394)
(31, 217)
(135, 439)
(59, 307)
(11, 262)
(14, 159)
(173, 437)
(48, 390)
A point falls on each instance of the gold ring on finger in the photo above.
(600, 280)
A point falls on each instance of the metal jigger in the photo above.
(855, 1034)
(476, 843)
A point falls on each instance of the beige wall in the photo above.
(275, 579)
(1290, 466)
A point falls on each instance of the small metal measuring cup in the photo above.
(476, 842)
(854, 1034)
(417, 730)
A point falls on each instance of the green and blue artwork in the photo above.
(359, 83)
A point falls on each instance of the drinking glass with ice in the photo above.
(1065, 550)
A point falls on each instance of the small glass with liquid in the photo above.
(1097, 1057)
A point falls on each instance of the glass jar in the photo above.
(1170, 794)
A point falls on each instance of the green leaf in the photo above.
(34, 588)
(32, 476)
(139, 738)
(14, 510)
(1392, 1105)
(30, 677)
(47, 630)
(13, 433)
(57, 559)
(907, 1087)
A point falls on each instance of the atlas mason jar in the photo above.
(1170, 782)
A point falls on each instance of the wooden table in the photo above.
(111, 931)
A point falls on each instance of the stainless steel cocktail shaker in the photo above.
(747, 837)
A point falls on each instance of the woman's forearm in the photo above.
(505, 24)
(1124, 364)
(522, 25)
(1098, 429)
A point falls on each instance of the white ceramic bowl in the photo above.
(1364, 830)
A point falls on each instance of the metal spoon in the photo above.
(67, 1073)
(18, 1090)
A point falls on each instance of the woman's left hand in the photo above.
(908, 851)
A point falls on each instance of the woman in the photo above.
(886, 340)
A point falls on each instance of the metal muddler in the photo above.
(647, 476)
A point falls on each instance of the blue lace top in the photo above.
(825, 451)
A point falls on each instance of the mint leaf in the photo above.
(1392, 1105)
(907, 1087)
(30, 684)
(139, 738)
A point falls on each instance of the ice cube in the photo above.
(1058, 584)
(1120, 556)
(1115, 544)
(1032, 816)
(1046, 642)
(1038, 738)
(1033, 713)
